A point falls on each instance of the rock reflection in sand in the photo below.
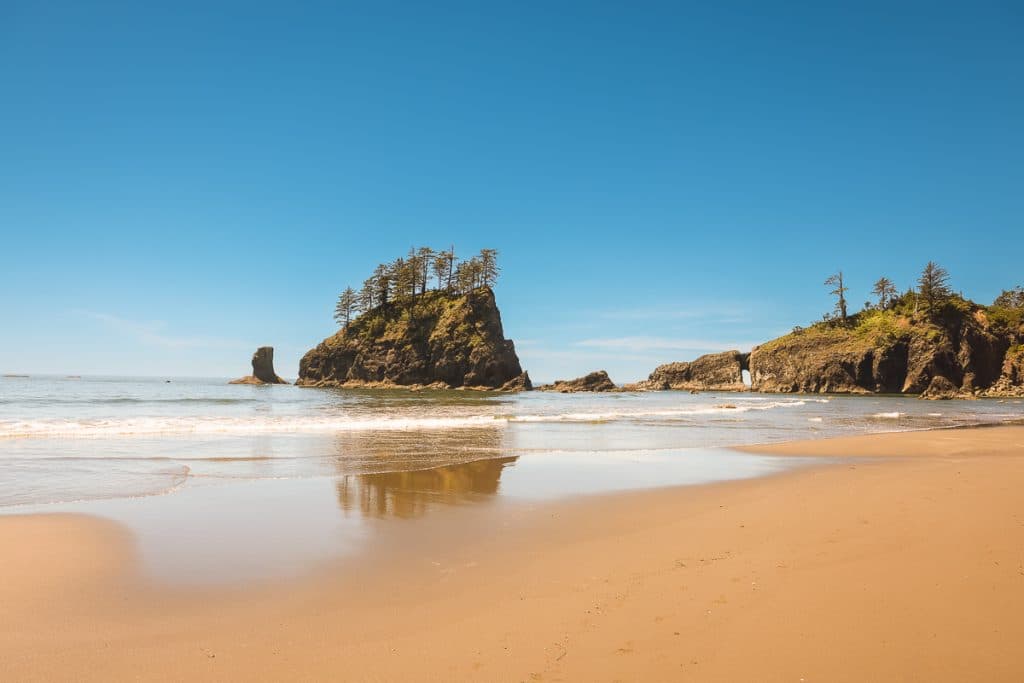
(400, 475)
(411, 494)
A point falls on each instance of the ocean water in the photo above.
(67, 440)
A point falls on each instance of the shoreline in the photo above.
(903, 565)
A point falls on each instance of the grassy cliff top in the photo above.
(905, 319)
(466, 317)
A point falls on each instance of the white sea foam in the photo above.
(889, 416)
(124, 427)
(610, 415)
(119, 427)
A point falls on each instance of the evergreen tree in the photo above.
(441, 266)
(367, 298)
(346, 307)
(467, 275)
(885, 290)
(450, 255)
(403, 278)
(1010, 298)
(933, 285)
(488, 267)
(424, 263)
(381, 279)
(839, 291)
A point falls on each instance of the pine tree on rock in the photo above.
(933, 285)
(839, 291)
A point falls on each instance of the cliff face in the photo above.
(898, 351)
(433, 339)
(713, 372)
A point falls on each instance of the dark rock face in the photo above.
(1011, 376)
(595, 381)
(940, 389)
(262, 369)
(911, 355)
(713, 372)
(263, 366)
(434, 339)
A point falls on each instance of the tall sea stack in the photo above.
(437, 339)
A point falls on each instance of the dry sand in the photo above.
(886, 568)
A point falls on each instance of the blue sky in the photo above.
(179, 184)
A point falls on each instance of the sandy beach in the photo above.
(907, 564)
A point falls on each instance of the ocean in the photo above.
(66, 440)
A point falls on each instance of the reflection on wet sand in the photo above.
(398, 474)
(411, 494)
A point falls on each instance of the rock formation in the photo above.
(595, 381)
(262, 369)
(940, 389)
(713, 372)
(1011, 375)
(964, 350)
(434, 339)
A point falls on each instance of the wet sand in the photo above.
(905, 565)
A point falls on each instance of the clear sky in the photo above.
(181, 183)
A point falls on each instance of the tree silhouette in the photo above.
(367, 297)
(381, 284)
(836, 281)
(488, 267)
(933, 285)
(885, 290)
(424, 263)
(405, 278)
(348, 303)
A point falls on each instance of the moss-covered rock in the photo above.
(900, 350)
(433, 339)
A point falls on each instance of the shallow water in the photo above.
(65, 440)
(222, 483)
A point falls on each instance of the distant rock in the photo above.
(595, 381)
(712, 372)
(262, 369)
(434, 339)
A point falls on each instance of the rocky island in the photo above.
(408, 335)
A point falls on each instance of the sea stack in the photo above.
(262, 369)
(436, 339)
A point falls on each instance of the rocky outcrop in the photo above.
(520, 382)
(941, 389)
(713, 372)
(1011, 376)
(595, 381)
(262, 369)
(960, 352)
(434, 339)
